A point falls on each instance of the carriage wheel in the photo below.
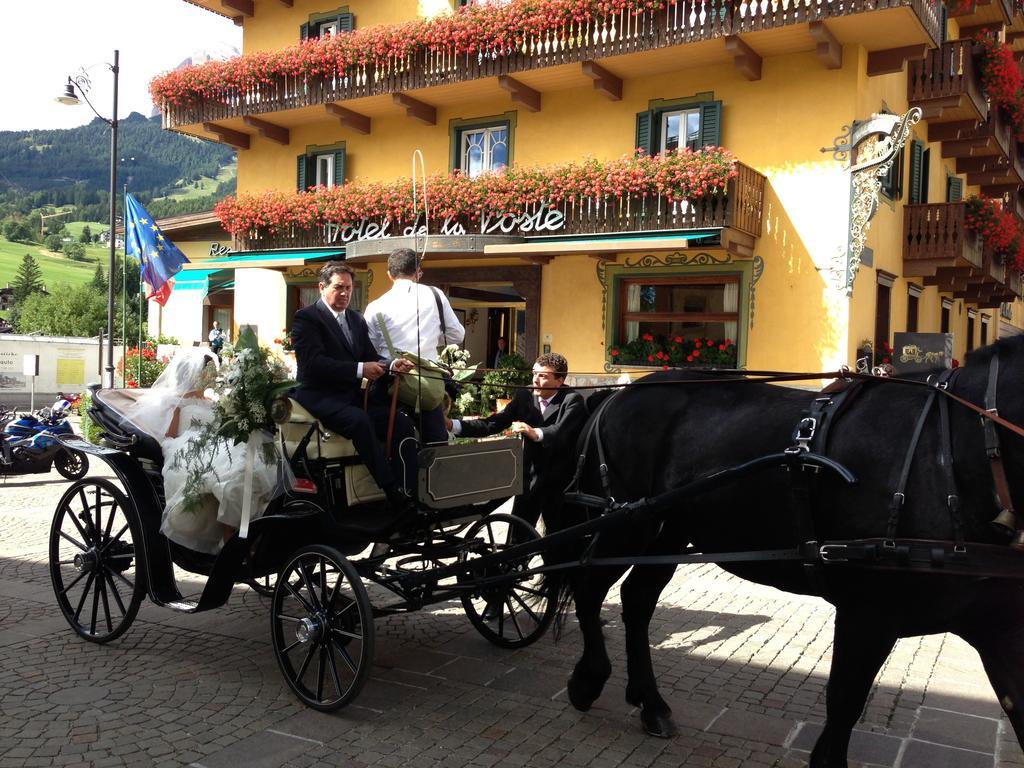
(516, 612)
(72, 465)
(322, 627)
(94, 563)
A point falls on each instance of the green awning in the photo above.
(193, 280)
(290, 257)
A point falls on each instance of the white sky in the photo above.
(41, 43)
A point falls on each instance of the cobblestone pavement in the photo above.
(744, 668)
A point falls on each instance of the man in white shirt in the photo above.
(418, 319)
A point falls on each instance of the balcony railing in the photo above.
(739, 209)
(687, 21)
(935, 237)
(946, 84)
(972, 13)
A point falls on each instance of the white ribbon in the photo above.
(250, 459)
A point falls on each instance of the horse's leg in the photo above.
(640, 593)
(590, 586)
(862, 643)
(998, 636)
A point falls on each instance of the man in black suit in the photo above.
(549, 416)
(334, 356)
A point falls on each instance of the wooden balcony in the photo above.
(938, 247)
(687, 34)
(738, 214)
(1015, 284)
(979, 13)
(985, 151)
(946, 85)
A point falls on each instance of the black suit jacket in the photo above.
(327, 364)
(547, 461)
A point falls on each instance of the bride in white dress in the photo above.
(174, 410)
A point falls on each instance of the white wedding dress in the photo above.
(222, 488)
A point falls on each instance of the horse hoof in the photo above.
(658, 724)
(577, 697)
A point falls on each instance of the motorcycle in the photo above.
(31, 446)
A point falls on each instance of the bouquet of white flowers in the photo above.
(244, 390)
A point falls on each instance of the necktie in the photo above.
(345, 331)
(543, 405)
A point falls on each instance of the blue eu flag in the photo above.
(160, 258)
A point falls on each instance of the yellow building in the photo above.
(780, 266)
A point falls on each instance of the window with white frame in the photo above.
(690, 307)
(680, 128)
(328, 28)
(483, 149)
(325, 170)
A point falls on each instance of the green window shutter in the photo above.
(304, 32)
(943, 22)
(300, 174)
(916, 195)
(346, 22)
(339, 167)
(645, 131)
(954, 189)
(711, 123)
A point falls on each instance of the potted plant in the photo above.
(501, 383)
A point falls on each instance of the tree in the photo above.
(80, 311)
(99, 280)
(53, 243)
(86, 236)
(29, 279)
(18, 231)
(74, 251)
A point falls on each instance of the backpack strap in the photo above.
(384, 332)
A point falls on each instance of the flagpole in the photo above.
(142, 298)
(124, 304)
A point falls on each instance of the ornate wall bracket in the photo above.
(870, 147)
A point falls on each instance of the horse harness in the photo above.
(806, 458)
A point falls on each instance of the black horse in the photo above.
(662, 436)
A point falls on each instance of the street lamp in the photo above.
(80, 84)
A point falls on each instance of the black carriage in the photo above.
(309, 553)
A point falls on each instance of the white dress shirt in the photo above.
(407, 308)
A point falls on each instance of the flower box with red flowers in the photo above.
(675, 352)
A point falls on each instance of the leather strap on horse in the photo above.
(899, 495)
(1006, 522)
(946, 460)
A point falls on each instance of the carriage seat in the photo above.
(109, 409)
(360, 487)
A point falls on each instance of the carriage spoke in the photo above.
(296, 619)
(323, 581)
(116, 538)
(320, 673)
(512, 616)
(531, 591)
(289, 647)
(525, 607)
(116, 594)
(78, 578)
(99, 507)
(74, 541)
(297, 596)
(122, 577)
(81, 531)
(110, 522)
(85, 594)
(95, 606)
(305, 663)
(334, 592)
(346, 633)
(343, 652)
(308, 582)
(106, 604)
(334, 669)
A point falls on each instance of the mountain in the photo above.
(71, 166)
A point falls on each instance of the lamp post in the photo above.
(81, 84)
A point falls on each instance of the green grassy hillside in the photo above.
(205, 185)
(55, 269)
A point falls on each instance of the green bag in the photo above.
(423, 387)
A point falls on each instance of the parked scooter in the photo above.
(31, 446)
